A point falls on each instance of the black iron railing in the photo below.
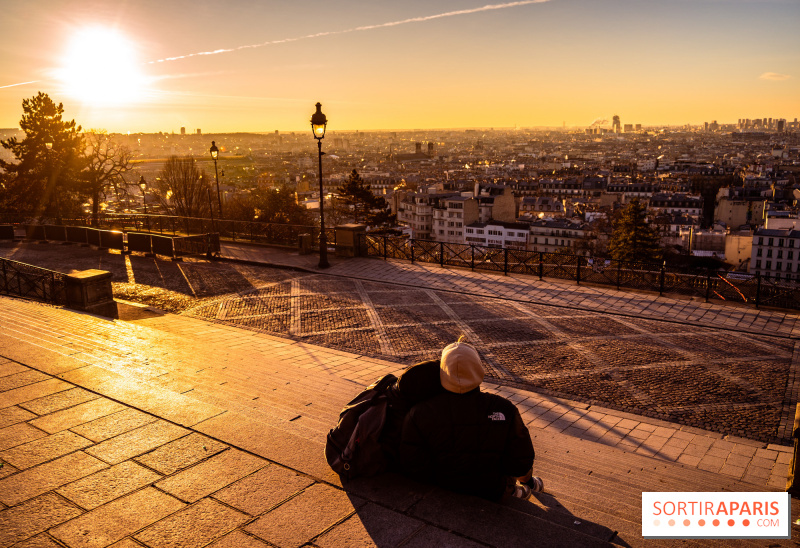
(245, 231)
(711, 285)
(32, 282)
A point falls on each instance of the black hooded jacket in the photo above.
(468, 443)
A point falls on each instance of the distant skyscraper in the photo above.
(781, 125)
(616, 127)
(183, 131)
(199, 132)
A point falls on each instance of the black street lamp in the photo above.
(318, 124)
(48, 143)
(214, 153)
(143, 186)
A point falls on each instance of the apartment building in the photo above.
(776, 253)
(541, 206)
(554, 235)
(677, 202)
(450, 215)
(497, 234)
(415, 211)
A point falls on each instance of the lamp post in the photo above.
(318, 124)
(143, 186)
(214, 153)
(48, 143)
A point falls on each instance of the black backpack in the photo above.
(353, 448)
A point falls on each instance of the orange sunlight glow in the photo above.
(100, 69)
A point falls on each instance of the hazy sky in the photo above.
(449, 63)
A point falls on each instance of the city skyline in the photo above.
(248, 67)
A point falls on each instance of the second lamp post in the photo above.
(143, 186)
(318, 124)
(214, 153)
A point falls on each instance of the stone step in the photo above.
(276, 380)
(598, 459)
(615, 504)
(285, 398)
(303, 427)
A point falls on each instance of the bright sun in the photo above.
(100, 68)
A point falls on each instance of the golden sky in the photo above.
(247, 65)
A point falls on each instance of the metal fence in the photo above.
(711, 285)
(32, 282)
(244, 231)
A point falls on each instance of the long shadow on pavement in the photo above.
(430, 513)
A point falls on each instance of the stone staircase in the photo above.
(274, 398)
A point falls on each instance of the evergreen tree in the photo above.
(357, 194)
(633, 238)
(366, 207)
(42, 181)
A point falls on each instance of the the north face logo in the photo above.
(497, 416)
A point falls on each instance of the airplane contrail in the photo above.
(19, 84)
(488, 7)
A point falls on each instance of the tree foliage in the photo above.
(279, 205)
(363, 204)
(182, 188)
(106, 162)
(43, 182)
(269, 205)
(633, 238)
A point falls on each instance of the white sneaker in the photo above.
(521, 492)
(536, 484)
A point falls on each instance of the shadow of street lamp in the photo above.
(319, 122)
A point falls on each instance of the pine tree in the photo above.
(43, 181)
(357, 194)
(633, 238)
(371, 209)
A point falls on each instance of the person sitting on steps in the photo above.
(466, 440)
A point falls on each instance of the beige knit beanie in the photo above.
(460, 368)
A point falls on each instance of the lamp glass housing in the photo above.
(319, 122)
(214, 150)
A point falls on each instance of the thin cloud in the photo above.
(19, 84)
(774, 76)
(488, 7)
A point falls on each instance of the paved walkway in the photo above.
(120, 433)
(531, 289)
(172, 431)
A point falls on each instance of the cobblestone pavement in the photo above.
(717, 379)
